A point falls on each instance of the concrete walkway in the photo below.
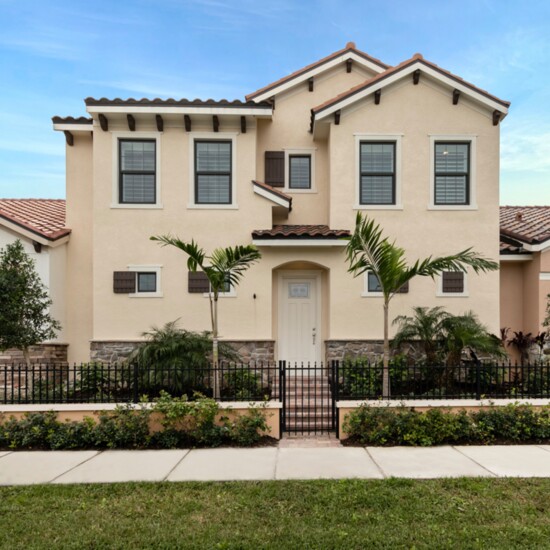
(268, 463)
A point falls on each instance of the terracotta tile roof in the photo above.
(273, 190)
(350, 47)
(392, 70)
(528, 224)
(44, 217)
(72, 120)
(144, 102)
(300, 232)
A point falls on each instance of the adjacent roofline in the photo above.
(524, 241)
(56, 238)
(396, 73)
(340, 56)
(72, 124)
(272, 194)
(72, 120)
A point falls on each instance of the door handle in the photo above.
(313, 335)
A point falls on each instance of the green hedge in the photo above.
(513, 423)
(185, 424)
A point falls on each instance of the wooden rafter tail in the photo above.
(337, 117)
(160, 123)
(103, 122)
(69, 138)
(310, 84)
(456, 96)
(215, 123)
(131, 123)
(377, 96)
(349, 63)
(187, 122)
(243, 124)
(416, 77)
(497, 116)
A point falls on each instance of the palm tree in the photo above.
(369, 250)
(465, 331)
(426, 326)
(224, 266)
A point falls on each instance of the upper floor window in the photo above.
(213, 172)
(377, 172)
(299, 176)
(452, 173)
(137, 171)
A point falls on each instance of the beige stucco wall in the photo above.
(523, 294)
(107, 239)
(79, 277)
(512, 295)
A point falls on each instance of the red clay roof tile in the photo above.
(381, 76)
(44, 217)
(300, 232)
(528, 224)
(350, 47)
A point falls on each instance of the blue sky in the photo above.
(53, 54)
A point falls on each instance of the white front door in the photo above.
(299, 312)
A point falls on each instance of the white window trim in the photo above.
(398, 169)
(366, 293)
(149, 269)
(439, 289)
(116, 136)
(473, 167)
(213, 136)
(299, 151)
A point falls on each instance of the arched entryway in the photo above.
(300, 308)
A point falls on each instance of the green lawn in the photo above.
(465, 513)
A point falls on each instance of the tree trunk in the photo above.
(27, 357)
(386, 362)
(215, 354)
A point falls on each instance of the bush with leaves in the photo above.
(514, 423)
(177, 360)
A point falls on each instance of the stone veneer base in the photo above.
(118, 350)
(42, 353)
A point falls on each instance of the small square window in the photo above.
(299, 172)
(452, 282)
(373, 283)
(146, 282)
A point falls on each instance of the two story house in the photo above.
(413, 146)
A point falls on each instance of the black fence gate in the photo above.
(308, 394)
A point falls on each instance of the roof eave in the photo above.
(301, 76)
(323, 111)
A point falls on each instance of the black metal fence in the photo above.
(129, 383)
(307, 391)
(475, 380)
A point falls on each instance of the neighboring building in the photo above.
(40, 225)
(412, 145)
(524, 267)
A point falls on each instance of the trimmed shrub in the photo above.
(513, 423)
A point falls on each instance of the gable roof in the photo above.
(349, 52)
(405, 68)
(44, 218)
(529, 225)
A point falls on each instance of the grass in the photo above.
(462, 513)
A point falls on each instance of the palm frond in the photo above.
(196, 255)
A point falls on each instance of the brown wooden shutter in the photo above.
(198, 282)
(404, 289)
(124, 282)
(275, 168)
(453, 281)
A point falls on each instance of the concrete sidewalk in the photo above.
(269, 463)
